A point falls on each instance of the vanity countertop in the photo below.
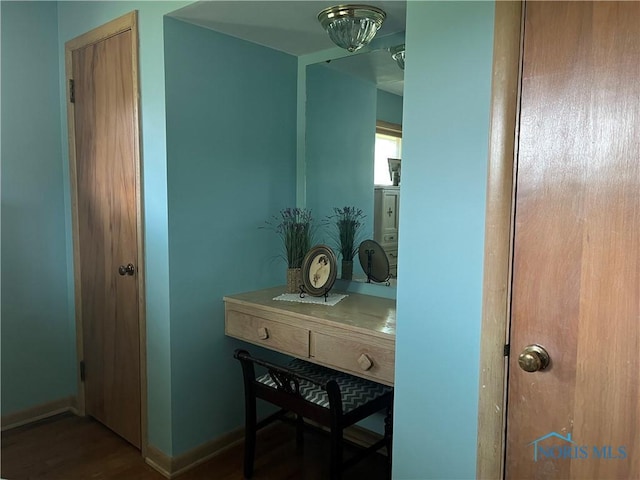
(367, 313)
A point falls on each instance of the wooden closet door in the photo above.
(576, 273)
(106, 143)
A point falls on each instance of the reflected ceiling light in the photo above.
(397, 53)
(351, 26)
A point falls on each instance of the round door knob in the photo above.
(533, 358)
(129, 269)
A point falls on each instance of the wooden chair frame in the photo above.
(287, 396)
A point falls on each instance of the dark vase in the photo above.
(347, 270)
(294, 280)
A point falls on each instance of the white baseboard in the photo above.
(362, 436)
(355, 434)
(159, 461)
(39, 412)
(171, 467)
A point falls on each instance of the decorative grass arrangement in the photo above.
(348, 223)
(294, 226)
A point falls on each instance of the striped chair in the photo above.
(332, 399)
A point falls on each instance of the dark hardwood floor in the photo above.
(67, 447)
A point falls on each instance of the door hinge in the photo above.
(72, 91)
(82, 371)
(506, 350)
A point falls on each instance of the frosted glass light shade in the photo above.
(397, 53)
(351, 26)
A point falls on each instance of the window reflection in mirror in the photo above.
(388, 145)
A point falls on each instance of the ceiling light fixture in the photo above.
(351, 26)
(397, 53)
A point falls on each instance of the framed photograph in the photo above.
(319, 270)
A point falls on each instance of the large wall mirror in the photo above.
(340, 98)
(348, 101)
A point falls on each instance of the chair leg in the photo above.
(249, 435)
(299, 433)
(336, 453)
(388, 435)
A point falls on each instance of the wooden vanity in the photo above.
(357, 335)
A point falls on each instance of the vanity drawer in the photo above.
(392, 256)
(266, 333)
(358, 357)
(390, 238)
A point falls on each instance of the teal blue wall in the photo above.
(444, 164)
(38, 349)
(231, 147)
(76, 18)
(445, 133)
(340, 136)
(389, 107)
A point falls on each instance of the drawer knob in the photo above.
(263, 333)
(365, 362)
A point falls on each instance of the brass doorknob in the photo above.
(129, 269)
(533, 358)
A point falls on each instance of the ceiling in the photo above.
(289, 26)
(292, 27)
(376, 66)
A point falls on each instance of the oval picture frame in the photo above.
(319, 270)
